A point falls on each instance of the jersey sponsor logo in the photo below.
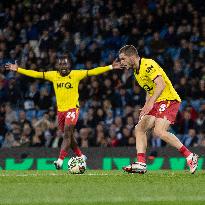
(66, 85)
(147, 88)
(148, 70)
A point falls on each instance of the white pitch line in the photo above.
(53, 174)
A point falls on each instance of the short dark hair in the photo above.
(128, 50)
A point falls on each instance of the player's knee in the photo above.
(68, 130)
(138, 129)
(158, 132)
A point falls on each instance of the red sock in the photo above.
(63, 154)
(184, 151)
(141, 157)
(77, 151)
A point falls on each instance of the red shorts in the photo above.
(167, 109)
(69, 117)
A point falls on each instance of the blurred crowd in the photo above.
(36, 32)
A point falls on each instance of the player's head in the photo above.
(128, 56)
(64, 64)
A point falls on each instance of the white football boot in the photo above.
(136, 167)
(84, 157)
(192, 162)
(58, 164)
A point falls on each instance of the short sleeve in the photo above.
(152, 70)
(49, 75)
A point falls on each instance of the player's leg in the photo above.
(73, 144)
(63, 152)
(145, 124)
(161, 130)
(70, 120)
(66, 144)
(76, 149)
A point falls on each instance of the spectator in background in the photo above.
(3, 127)
(93, 32)
(16, 130)
(38, 139)
(10, 114)
(187, 123)
(13, 92)
(190, 139)
(56, 140)
(44, 101)
(113, 141)
(84, 137)
(26, 135)
(10, 141)
(200, 121)
(101, 140)
(33, 95)
(3, 90)
(22, 118)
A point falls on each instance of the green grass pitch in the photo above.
(102, 187)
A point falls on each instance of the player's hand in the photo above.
(116, 64)
(12, 67)
(146, 109)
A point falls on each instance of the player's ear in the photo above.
(132, 61)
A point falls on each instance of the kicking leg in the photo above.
(160, 130)
(74, 146)
(66, 144)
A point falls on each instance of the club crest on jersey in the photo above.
(149, 69)
(64, 85)
(147, 88)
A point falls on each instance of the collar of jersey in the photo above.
(137, 71)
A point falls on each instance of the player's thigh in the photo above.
(145, 124)
(61, 120)
(69, 130)
(161, 125)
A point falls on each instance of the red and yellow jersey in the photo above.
(66, 88)
(148, 71)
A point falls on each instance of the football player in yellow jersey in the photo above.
(65, 82)
(160, 109)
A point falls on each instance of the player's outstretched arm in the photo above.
(30, 73)
(100, 70)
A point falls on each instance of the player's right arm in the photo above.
(30, 73)
(147, 97)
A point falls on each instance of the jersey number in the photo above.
(162, 107)
(70, 115)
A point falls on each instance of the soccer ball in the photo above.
(76, 165)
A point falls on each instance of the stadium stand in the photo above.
(36, 32)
